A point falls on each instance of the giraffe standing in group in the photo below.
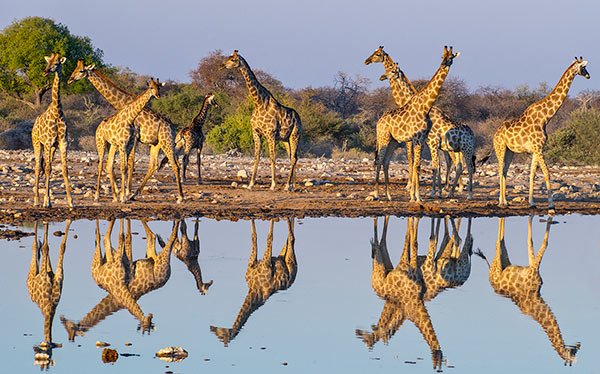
(410, 123)
(522, 284)
(191, 137)
(264, 278)
(187, 251)
(112, 273)
(119, 132)
(43, 284)
(456, 141)
(152, 128)
(271, 120)
(50, 132)
(145, 275)
(403, 289)
(527, 134)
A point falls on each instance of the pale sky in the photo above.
(306, 42)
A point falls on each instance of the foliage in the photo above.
(577, 142)
(24, 45)
(234, 133)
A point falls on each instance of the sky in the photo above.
(304, 43)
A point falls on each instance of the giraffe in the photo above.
(48, 133)
(147, 274)
(191, 137)
(45, 288)
(152, 129)
(527, 134)
(264, 278)
(402, 288)
(112, 272)
(410, 123)
(456, 141)
(271, 120)
(119, 131)
(187, 251)
(522, 284)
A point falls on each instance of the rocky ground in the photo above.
(326, 187)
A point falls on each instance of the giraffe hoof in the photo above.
(551, 212)
(179, 199)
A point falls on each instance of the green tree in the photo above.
(577, 142)
(25, 43)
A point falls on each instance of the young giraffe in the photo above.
(264, 278)
(410, 123)
(522, 284)
(403, 289)
(191, 137)
(527, 134)
(119, 131)
(454, 140)
(147, 274)
(187, 251)
(153, 129)
(43, 284)
(271, 120)
(49, 132)
(112, 273)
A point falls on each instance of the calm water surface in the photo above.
(323, 305)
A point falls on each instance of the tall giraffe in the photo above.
(112, 273)
(187, 251)
(146, 275)
(153, 129)
(43, 284)
(522, 284)
(264, 278)
(271, 120)
(456, 141)
(527, 134)
(191, 137)
(49, 132)
(410, 123)
(403, 289)
(119, 131)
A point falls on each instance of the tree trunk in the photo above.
(39, 95)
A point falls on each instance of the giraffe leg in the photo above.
(169, 152)
(387, 157)
(184, 164)
(293, 153)
(414, 195)
(154, 150)
(124, 156)
(198, 160)
(471, 169)
(65, 171)
(378, 162)
(459, 169)
(130, 166)
(534, 164)
(269, 247)
(37, 152)
(110, 160)
(256, 138)
(100, 147)
(449, 167)
(544, 168)
(409, 159)
(436, 183)
(48, 156)
(271, 145)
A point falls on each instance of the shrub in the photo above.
(577, 142)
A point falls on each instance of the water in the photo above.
(311, 326)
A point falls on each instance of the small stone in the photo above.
(128, 344)
(102, 344)
(242, 174)
(234, 184)
(58, 233)
(109, 355)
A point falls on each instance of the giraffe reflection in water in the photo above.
(187, 251)
(45, 288)
(125, 280)
(416, 280)
(522, 284)
(264, 278)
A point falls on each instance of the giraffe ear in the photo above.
(90, 67)
(62, 60)
(456, 54)
(47, 58)
(162, 84)
(584, 63)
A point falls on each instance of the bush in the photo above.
(234, 133)
(577, 142)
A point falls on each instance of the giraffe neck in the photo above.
(56, 104)
(251, 303)
(259, 93)
(103, 309)
(117, 97)
(401, 90)
(549, 105)
(135, 107)
(194, 268)
(198, 121)
(426, 97)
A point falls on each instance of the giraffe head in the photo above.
(391, 75)
(232, 61)
(210, 99)
(224, 334)
(81, 71)
(448, 56)
(580, 64)
(154, 86)
(53, 63)
(203, 287)
(377, 56)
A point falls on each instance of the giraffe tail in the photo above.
(479, 253)
(484, 158)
